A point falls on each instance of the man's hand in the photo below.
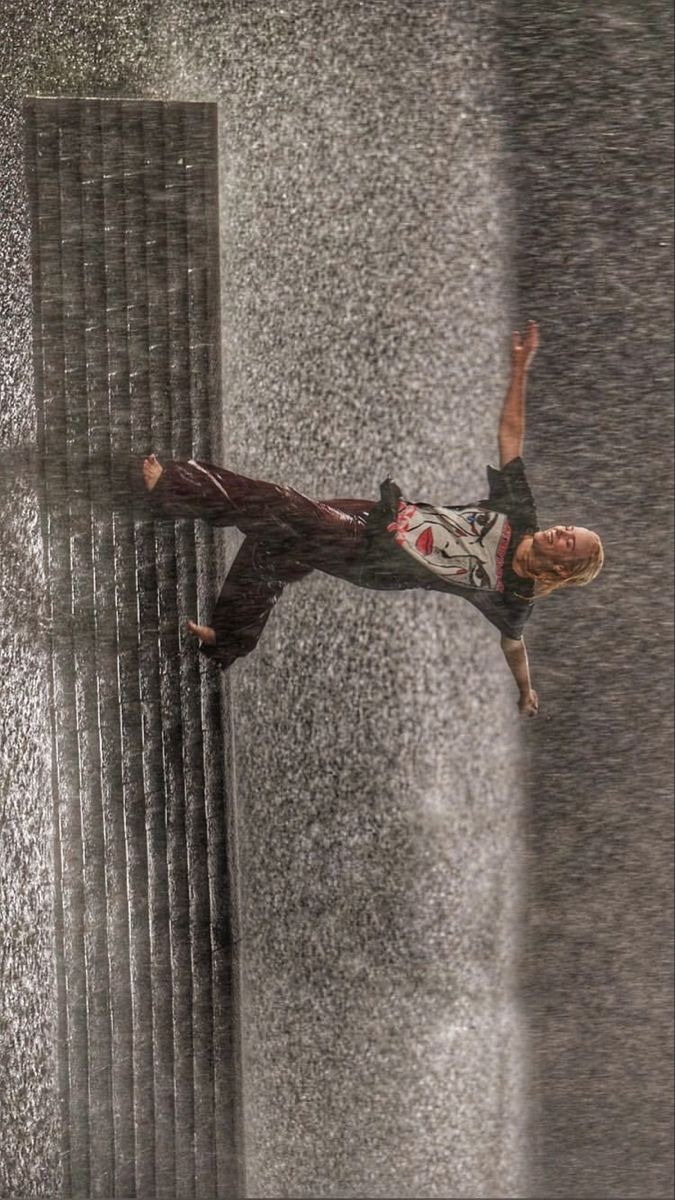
(524, 346)
(529, 703)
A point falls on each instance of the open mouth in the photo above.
(425, 542)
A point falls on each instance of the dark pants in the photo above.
(287, 536)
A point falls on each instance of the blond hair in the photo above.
(583, 571)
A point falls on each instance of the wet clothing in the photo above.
(508, 603)
(464, 545)
(466, 549)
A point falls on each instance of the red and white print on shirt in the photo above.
(466, 545)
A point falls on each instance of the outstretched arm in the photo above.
(515, 654)
(512, 421)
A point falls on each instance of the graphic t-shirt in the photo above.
(464, 545)
(465, 549)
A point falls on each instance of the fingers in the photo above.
(531, 334)
(529, 706)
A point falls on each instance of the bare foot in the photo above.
(204, 632)
(152, 470)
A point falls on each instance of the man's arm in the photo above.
(512, 421)
(515, 654)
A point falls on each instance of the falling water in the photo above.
(442, 912)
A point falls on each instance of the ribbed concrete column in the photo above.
(125, 279)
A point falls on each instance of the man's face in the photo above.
(562, 545)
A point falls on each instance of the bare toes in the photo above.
(204, 632)
(152, 470)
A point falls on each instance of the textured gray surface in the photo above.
(593, 142)
(365, 322)
(124, 219)
(354, 281)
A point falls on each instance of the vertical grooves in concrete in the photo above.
(156, 784)
(196, 252)
(232, 965)
(58, 569)
(87, 670)
(122, 142)
(187, 136)
(168, 539)
(96, 302)
(33, 148)
(205, 381)
(127, 350)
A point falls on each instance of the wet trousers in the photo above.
(287, 535)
